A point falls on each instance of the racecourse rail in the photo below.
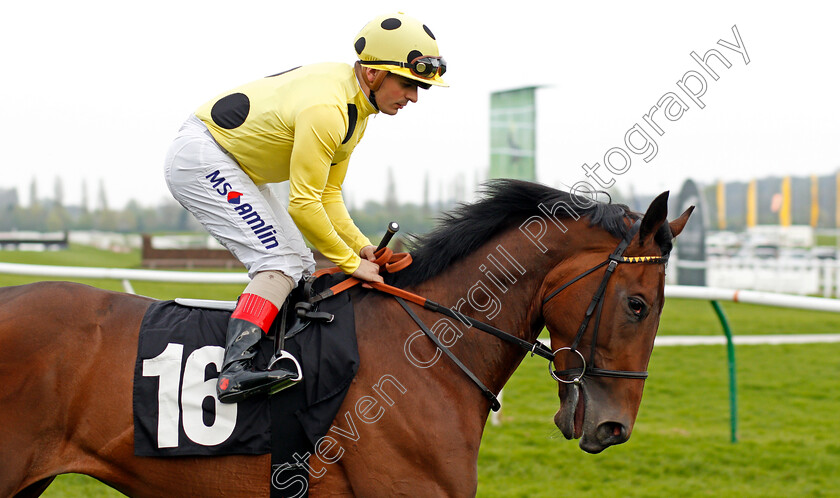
(711, 294)
(127, 275)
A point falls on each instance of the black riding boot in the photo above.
(238, 378)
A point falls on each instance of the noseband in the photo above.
(595, 307)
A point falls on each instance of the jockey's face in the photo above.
(395, 93)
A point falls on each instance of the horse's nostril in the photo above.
(613, 432)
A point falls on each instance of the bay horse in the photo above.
(522, 257)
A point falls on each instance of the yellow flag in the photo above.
(815, 201)
(752, 205)
(784, 212)
(837, 202)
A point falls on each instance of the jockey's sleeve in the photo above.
(319, 131)
(337, 211)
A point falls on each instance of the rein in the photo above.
(386, 258)
(392, 262)
(395, 262)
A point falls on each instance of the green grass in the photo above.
(695, 317)
(826, 240)
(79, 255)
(79, 486)
(788, 411)
(76, 255)
(680, 445)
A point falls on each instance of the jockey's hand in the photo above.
(367, 253)
(368, 271)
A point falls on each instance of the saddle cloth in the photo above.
(180, 352)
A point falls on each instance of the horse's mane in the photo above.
(503, 203)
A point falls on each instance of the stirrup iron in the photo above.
(285, 355)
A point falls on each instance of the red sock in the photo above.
(256, 310)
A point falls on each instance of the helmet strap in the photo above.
(374, 84)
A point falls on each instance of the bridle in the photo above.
(595, 307)
(306, 309)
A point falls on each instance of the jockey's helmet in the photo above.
(401, 45)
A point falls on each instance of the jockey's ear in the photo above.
(655, 216)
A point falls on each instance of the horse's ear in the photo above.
(678, 224)
(655, 216)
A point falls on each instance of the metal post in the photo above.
(733, 390)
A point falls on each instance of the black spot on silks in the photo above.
(429, 32)
(231, 111)
(360, 45)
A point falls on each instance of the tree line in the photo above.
(52, 215)
(171, 217)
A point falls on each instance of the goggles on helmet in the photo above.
(424, 66)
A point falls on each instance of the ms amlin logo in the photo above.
(245, 211)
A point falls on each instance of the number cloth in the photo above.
(180, 351)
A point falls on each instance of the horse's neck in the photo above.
(497, 285)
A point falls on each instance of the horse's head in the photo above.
(602, 307)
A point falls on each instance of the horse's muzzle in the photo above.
(585, 415)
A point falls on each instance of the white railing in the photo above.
(783, 275)
(124, 274)
(127, 275)
(753, 297)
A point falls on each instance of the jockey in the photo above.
(300, 125)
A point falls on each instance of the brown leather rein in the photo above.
(393, 262)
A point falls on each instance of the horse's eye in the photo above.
(637, 307)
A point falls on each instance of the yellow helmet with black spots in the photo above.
(401, 45)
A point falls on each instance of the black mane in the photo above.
(504, 203)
